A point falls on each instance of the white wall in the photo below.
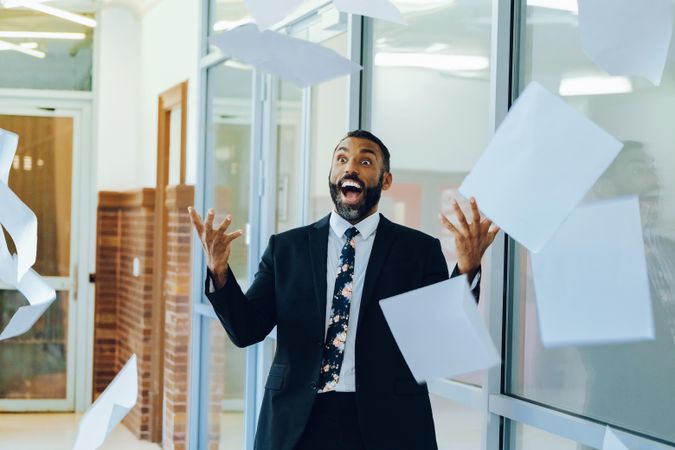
(169, 55)
(118, 88)
(139, 57)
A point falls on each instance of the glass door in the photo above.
(38, 367)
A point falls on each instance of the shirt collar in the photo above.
(366, 227)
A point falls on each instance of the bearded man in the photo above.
(338, 380)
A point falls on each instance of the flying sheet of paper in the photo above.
(266, 13)
(296, 60)
(591, 279)
(439, 330)
(21, 224)
(40, 296)
(540, 163)
(109, 408)
(612, 441)
(627, 37)
(377, 9)
(8, 144)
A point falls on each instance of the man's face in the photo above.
(357, 178)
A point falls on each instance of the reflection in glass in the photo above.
(55, 61)
(328, 118)
(225, 13)
(34, 365)
(41, 175)
(524, 437)
(229, 138)
(437, 131)
(457, 427)
(289, 163)
(226, 371)
(627, 385)
(228, 144)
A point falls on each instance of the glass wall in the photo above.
(430, 106)
(223, 13)
(626, 385)
(328, 123)
(60, 56)
(436, 131)
(429, 99)
(228, 140)
(289, 156)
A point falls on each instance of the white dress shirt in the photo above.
(364, 244)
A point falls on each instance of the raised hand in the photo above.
(217, 243)
(471, 239)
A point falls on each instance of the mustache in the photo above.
(353, 178)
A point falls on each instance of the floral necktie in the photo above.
(336, 336)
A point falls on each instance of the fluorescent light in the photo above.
(560, 5)
(597, 85)
(4, 45)
(229, 24)
(446, 63)
(41, 35)
(52, 11)
(28, 45)
(412, 6)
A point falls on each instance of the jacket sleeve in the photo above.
(247, 318)
(436, 270)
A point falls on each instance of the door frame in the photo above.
(77, 105)
(167, 101)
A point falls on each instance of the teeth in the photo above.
(351, 184)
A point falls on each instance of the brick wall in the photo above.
(124, 306)
(124, 301)
(177, 317)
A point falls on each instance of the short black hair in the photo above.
(363, 134)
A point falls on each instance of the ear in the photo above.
(387, 180)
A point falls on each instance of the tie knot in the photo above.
(351, 232)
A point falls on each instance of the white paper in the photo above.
(8, 144)
(268, 12)
(539, 165)
(627, 37)
(377, 9)
(298, 61)
(439, 330)
(109, 408)
(612, 441)
(39, 294)
(591, 279)
(21, 224)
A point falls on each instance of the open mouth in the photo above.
(352, 191)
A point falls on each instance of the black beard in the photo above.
(356, 213)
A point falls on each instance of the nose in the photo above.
(352, 167)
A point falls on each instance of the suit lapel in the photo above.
(318, 255)
(384, 239)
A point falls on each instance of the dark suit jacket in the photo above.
(289, 291)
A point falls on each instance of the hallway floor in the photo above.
(57, 431)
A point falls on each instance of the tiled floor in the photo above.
(57, 432)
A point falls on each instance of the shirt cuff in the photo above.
(476, 280)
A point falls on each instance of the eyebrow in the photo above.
(362, 150)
